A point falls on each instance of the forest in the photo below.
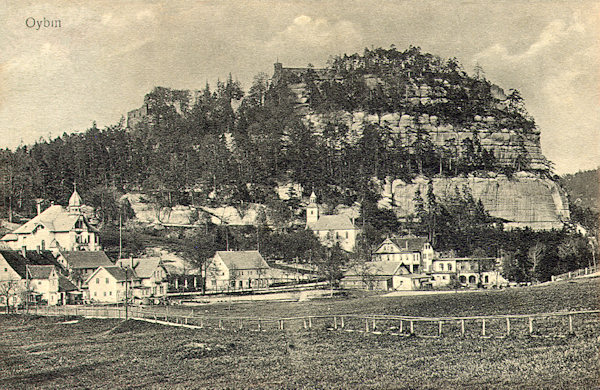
(225, 146)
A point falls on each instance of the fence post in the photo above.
(334, 322)
(201, 323)
(570, 324)
(530, 325)
(309, 323)
(304, 323)
(507, 326)
(366, 324)
(259, 325)
(342, 319)
(240, 323)
(462, 327)
(282, 325)
(483, 328)
(412, 329)
(374, 325)
(401, 323)
(220, 323)
(440, 328)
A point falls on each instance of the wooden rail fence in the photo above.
(557, 324)
(576, 273)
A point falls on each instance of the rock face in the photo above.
(522, 201)
(506, 144)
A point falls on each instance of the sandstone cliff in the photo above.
(522, 201)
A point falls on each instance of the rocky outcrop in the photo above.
(522, 201)
(506, 144)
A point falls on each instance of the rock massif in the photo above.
(524, 200)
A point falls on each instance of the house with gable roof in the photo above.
(56, 228)
(111, 284)
(415, 252)
(80, 264)
(35, 271)
(331, 229)
(153, 275)
(382, 275)
(236, 270)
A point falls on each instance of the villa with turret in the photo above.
(56, 228)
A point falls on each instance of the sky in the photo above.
(106, 55)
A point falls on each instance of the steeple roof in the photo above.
(75, 199)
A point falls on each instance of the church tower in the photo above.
(312, 210)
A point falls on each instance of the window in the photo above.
(441, 266)
(346, 235)
(95, 293)
(110, 293)
(449, 267)
(5, 269)
(97, 280)
(106, 280)
(104, 293)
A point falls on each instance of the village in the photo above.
(56, 258)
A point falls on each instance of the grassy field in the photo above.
(37, 352)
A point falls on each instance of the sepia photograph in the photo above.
(277, 194)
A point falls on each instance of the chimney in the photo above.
(24, 251)
(39, 207)
(37, 249)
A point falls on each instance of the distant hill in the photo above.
(583, 188)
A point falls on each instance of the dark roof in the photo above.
(40, 271)
(86, 259)
(65, 284)
(18, 262)
(411, 244)
(332, 222)
(242, 259)
(120, 274)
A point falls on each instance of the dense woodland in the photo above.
(194, 148)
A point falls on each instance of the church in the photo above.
(331, 229)
(56, 228)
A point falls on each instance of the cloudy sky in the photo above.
(107, 54)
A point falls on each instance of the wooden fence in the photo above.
(577, 273)
(558, 324)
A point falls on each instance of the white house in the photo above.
(331, 229)
(20, 268)
(43, 283)
(382, 275)
(153, 275)
(111, 284)
(56, 228)
(415, 252)
(81, 264)
(232, 270)
(467, 271)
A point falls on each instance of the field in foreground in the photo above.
(37, 352)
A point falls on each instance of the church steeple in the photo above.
(312, 210)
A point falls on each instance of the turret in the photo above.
(312, 210)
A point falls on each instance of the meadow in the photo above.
(55, 352)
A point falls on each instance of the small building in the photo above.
(237, 270)
(43, 284)
(415, 252)
(468, 272)
(21, 271)
(331, 229)
(382, 275)
(153, 275)
(56, 228)
(111, 284)
(80, 264)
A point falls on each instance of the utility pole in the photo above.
(126, 293)
(120, 233)
(27, 288)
